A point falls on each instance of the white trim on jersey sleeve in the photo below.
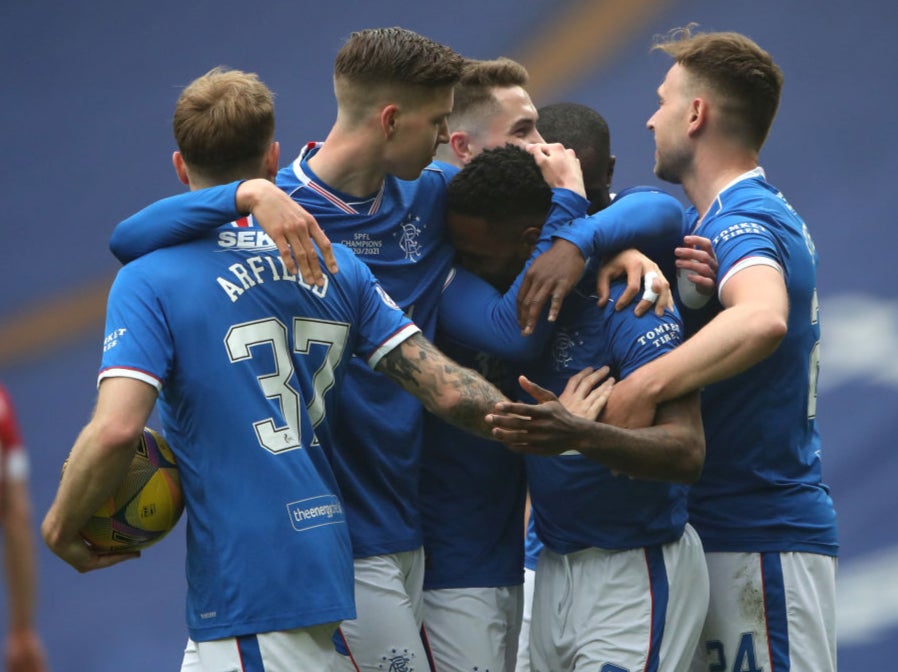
(16, 467)
(122, 372)
(390, 344)
(746, 263)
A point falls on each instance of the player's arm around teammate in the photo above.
(549, 428)
(447, 389)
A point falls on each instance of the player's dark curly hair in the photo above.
(499, 185)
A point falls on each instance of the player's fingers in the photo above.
(665, 296)
(539, 393)
(603, 287)
(579, 380)
(533, 307)
(511, 416)
(592, 378)
(555, 304)
(627, 296)
(325, 246)
(286, 253)
(522, 297)
(306, 258)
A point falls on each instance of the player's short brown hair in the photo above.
(744, 78)
(397, 55)
(474, 91)
(391, 63)
(224, 123)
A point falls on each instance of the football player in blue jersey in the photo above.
(584, 130)
(763, 512)
(242, 355)
(622, 582)
(472, 490)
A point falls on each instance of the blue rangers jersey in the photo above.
(761, 488)
(473, 489)
(399, 233)
(578, 503)
(244, 356)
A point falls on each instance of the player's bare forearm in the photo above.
(672, 449)
(96, 466)
(447, 389)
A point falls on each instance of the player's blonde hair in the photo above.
(743, 77)
(224, 123)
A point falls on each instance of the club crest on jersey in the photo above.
(562, 348)
(386, 298)
(408, 238)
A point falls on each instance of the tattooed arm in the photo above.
(447, 389)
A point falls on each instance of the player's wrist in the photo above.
(250, 193)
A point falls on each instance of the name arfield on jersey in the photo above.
(260, 269)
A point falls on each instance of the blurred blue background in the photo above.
(88, 92)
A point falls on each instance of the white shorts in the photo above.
(770, 611)
(639, 609)
(473, 628)
(523, 662)
(301, 649)
(386, 633)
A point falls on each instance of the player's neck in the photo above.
(350, 163)
(712, 172)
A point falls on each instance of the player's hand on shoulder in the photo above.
(644, 278)
(559, 165)
(289, 226)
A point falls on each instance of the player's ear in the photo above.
(180, 167)
(527, 241)
(698, 115)
(272, 159)
(389, 120)
(460, 143)
(611, 161)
